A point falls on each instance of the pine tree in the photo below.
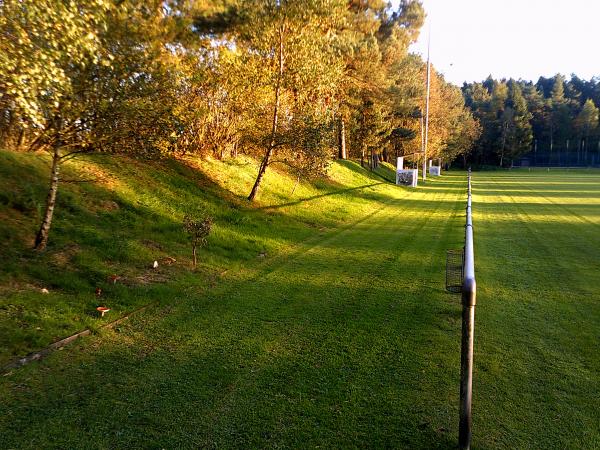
(587, 119)
(519, 132)
(585, 123)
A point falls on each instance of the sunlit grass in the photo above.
(132, 216)
(340, 335)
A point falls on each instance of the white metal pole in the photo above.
(423, 138)
(427, 107)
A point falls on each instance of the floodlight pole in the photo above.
(423, 137)
(427, 107)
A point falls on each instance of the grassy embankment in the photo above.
(340, 336)
(132, 216)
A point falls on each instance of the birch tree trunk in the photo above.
(41, 238)
(342, 150)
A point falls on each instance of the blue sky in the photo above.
(471, 39)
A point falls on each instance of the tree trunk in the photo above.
(269, 152)
(41, 238)
(362, 156)
(20, 138)
(342, 149)
(194, 255)
(295, 185)
(504, 131)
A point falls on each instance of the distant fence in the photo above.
(469, 291)
(560, 158)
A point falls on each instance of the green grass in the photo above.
(341, 336)
(132, 217)
(537, 241)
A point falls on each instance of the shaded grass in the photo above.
(342, 336)
(329, 342)
(132, 216)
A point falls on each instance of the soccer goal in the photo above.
(406, 177)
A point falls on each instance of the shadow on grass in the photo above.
(99, 232)
(333, 347)
(315, 197)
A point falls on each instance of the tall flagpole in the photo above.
(427, 106)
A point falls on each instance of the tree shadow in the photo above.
(315, 197)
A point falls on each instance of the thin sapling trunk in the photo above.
(266, 159)
(198, 230)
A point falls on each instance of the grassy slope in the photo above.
(333, 339)
(132, 217)
(342, 336)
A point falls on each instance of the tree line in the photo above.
(553, 121)
(290, 83)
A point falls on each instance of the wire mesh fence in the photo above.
(455, 270)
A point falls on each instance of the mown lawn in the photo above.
(130, 216)
(342, 334)
(537, 352)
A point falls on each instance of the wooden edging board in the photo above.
(40, 354)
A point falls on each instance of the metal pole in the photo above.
(427, 109)
(468, 329)
(422, 139)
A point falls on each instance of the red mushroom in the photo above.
(102, 310)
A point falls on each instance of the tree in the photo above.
(448, 119)
(560, 114)
(382, 84)
(287, 46)
(586, 122)
(99, 77)
(516, 126)
(536, 106)
(45, 44)
(478, 100)
(198, 231)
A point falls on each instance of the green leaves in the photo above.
(42, 43)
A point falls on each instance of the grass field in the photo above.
(342, 335)
(537, 382)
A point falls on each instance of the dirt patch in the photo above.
(62, 258)
(108, 205)
(151, 244)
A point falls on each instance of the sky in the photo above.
(471, 39)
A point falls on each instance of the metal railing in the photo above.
(469, 289)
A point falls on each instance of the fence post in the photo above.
(469, 290)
